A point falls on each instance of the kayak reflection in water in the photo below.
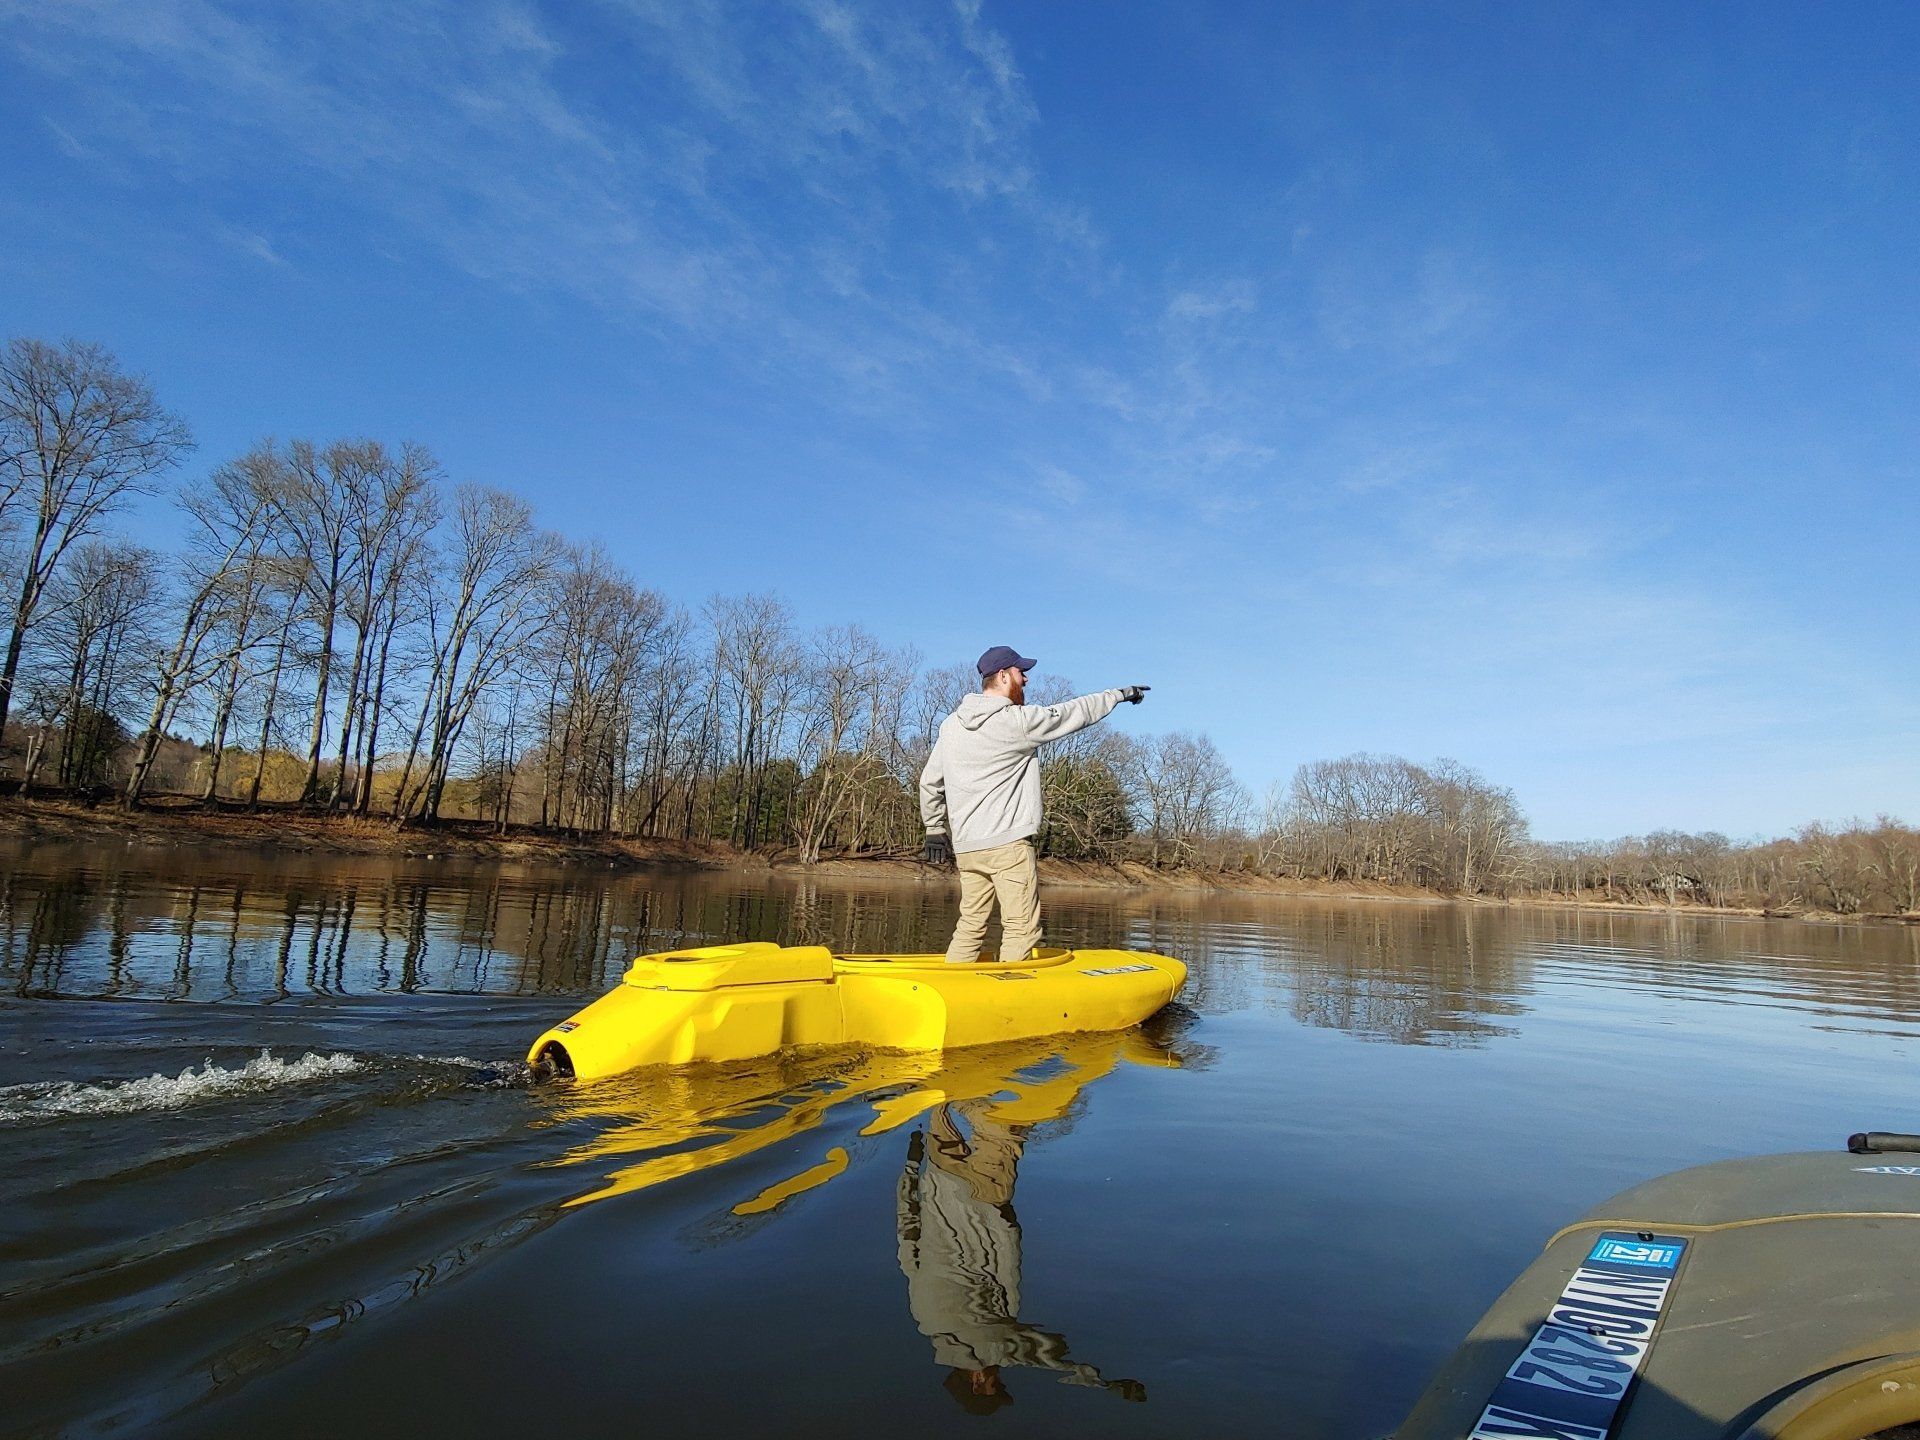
(960, 1252)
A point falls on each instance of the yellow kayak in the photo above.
(735, 1002)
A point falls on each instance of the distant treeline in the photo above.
(345, 630)
(1381, 819)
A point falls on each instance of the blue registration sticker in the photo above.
(1646, 1254)
(1573, 1376)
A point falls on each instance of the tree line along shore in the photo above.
(185, 825)
(347, 638)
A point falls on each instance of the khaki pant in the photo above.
(1006, 873)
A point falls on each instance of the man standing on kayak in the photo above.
(980, 798)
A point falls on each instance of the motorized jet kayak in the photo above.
(735, 1002)
(1773, 1297)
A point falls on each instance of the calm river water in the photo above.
(272, 1166)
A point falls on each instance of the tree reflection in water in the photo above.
(230, 926)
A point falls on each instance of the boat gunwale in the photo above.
(878, 964)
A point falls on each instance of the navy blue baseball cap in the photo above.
(1004, 657)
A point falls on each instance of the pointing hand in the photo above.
(1134, 694)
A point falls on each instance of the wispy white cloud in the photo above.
(1423, 313)
(849, 193)
(69, 146)
(1395, 463)
(478, 129)
(251, 242)
(1061, 486)
(1236, 296)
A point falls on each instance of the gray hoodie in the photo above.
(982, 782)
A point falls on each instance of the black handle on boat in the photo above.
(1879, 1142)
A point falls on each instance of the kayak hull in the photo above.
(1792, 1313)
(737, 1002)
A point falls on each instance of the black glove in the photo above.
(939, 850)
(1134, 694)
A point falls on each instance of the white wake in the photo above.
(53, 1099)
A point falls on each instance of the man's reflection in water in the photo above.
(960, 1250)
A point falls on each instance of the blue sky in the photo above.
(1532, 385)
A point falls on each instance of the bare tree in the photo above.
(403, 601)
(1083, 781)
(848, 708)
(602, 637)
(498, 726)
(884, 809)
(757, 668)
(221, 570)
(92, 622)
(491, 606)
(44, 705)
(312, 491)
(78, 438)
(1363, 815)
(247, 611)
(669, 708)
(1894, 851)
(1476, 826)
(1835, 862)
(282, 639)
(1277, 837)
(1187, 793)
(1383, 818)
(391, 506)
(254, 621)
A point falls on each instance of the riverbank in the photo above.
(186, 825)
(272, 829)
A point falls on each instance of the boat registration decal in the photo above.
(1118, 970)
(1572, 1378)
(1009, 975)
(1886, 1170)
(1641, 1254)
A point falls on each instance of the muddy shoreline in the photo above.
(186, 825)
